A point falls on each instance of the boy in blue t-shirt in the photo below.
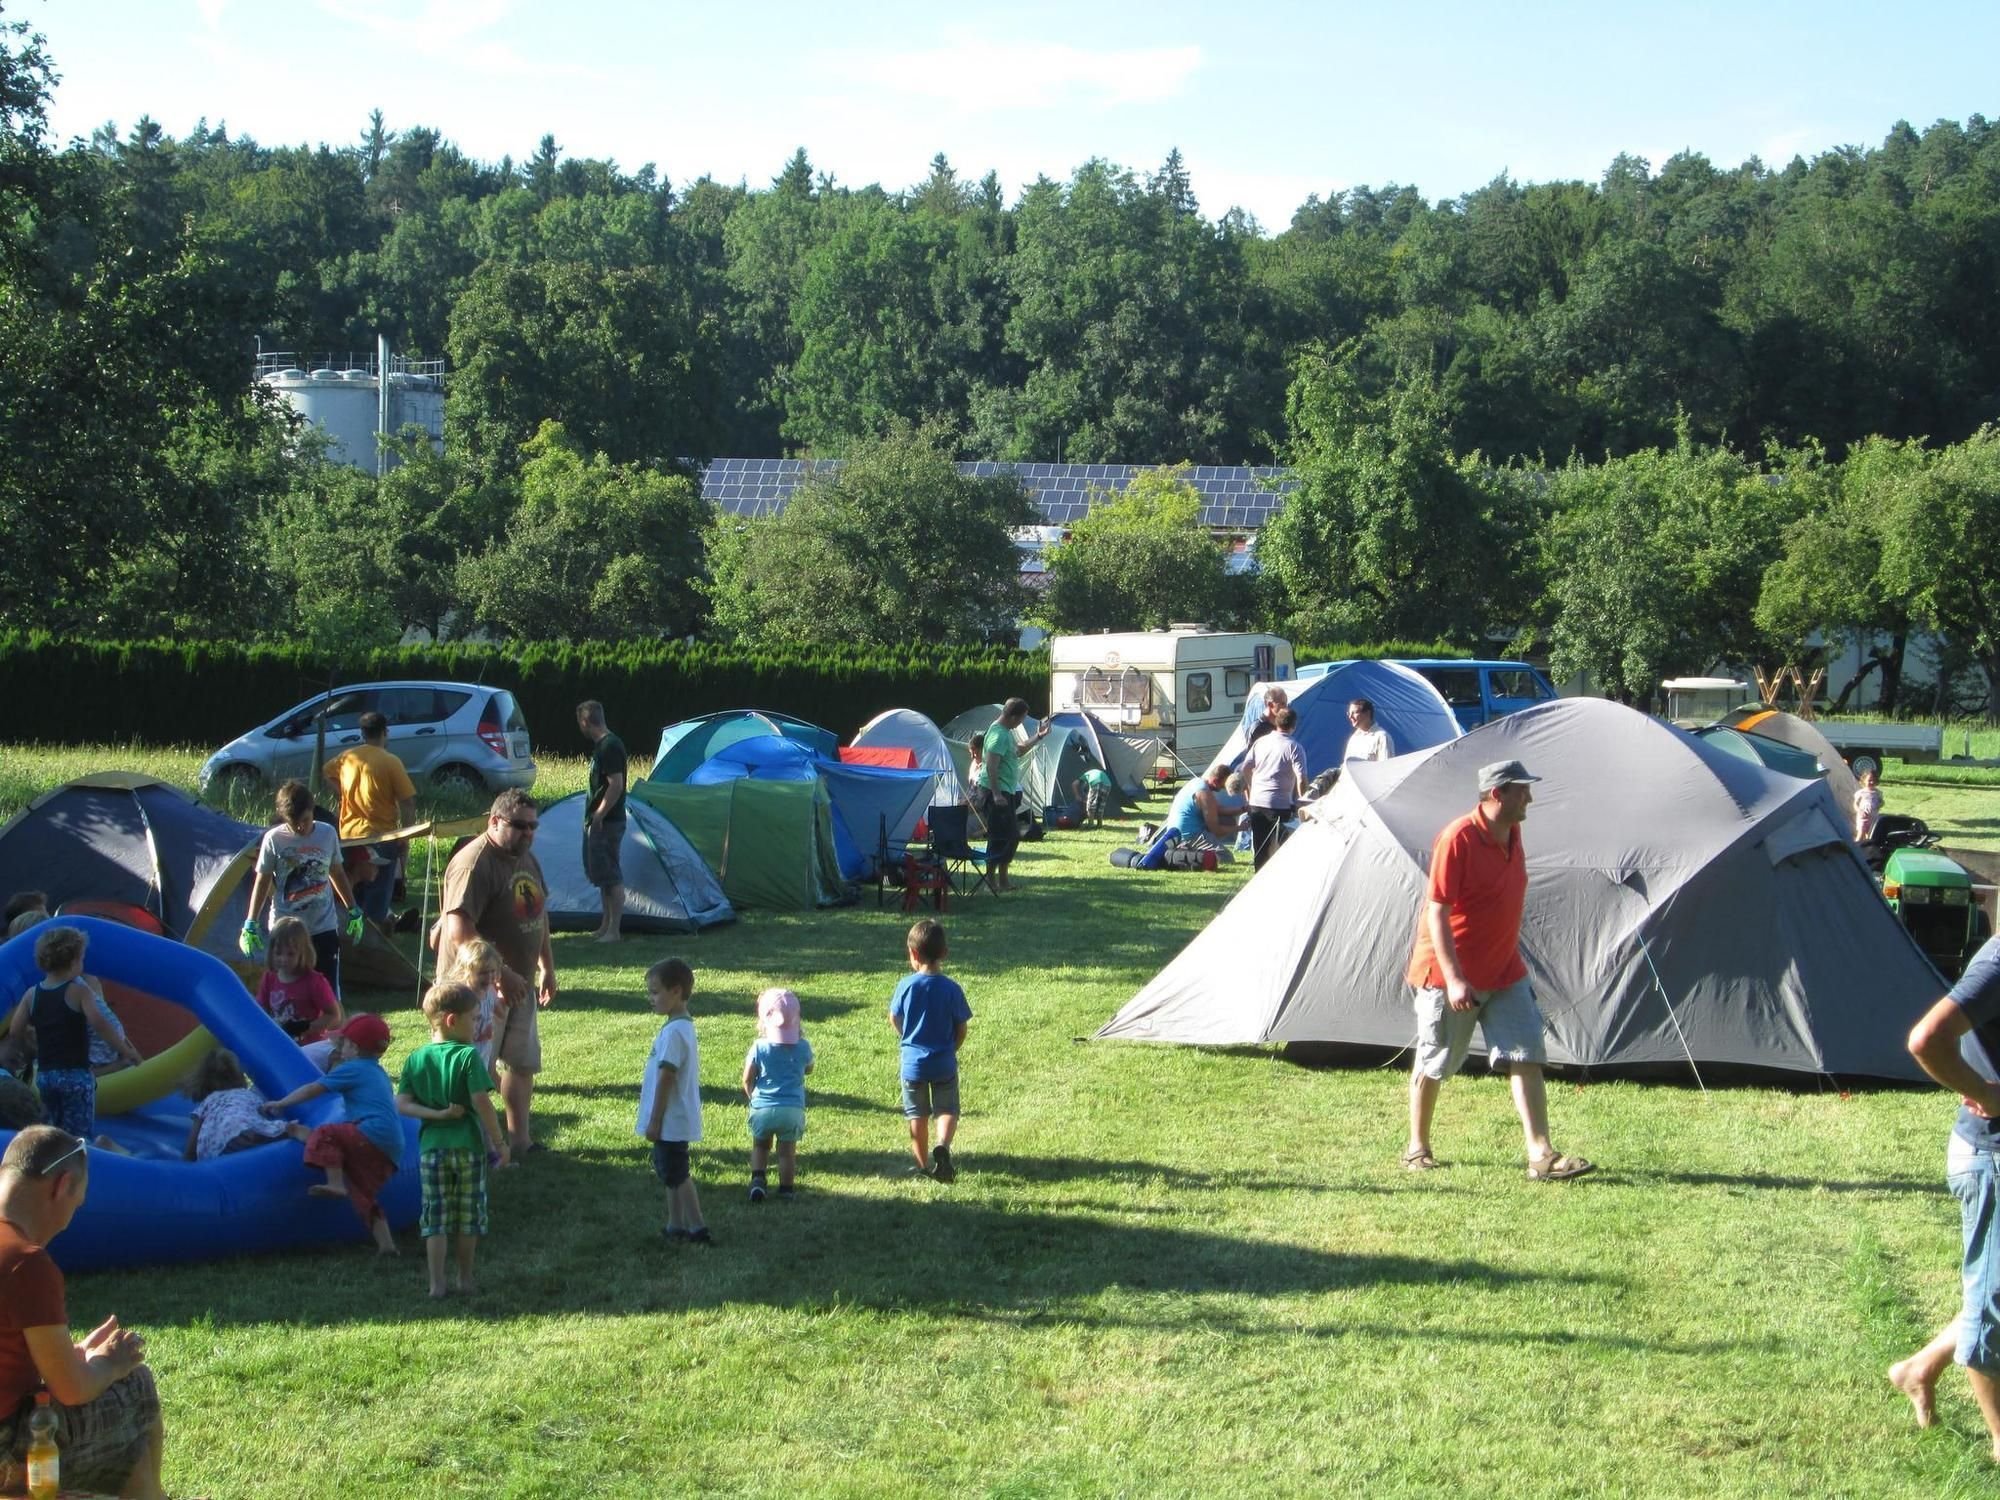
(929, 1013)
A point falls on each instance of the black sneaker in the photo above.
(674, 1236)
(786, 1192)
(756, 1189)
(941, 1167)
(700, 1236)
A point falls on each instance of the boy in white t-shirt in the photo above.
(670, 1100)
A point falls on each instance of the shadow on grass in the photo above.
(713, 1095)
(1765, 1180)
(578, 1234)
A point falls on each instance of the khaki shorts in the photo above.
(517, 1039)
(1509, 1021)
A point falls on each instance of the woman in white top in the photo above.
(1365, 741)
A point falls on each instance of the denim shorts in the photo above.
(1508, 1019)
(1975, 1182)
(923, 1097)
(785, 1121)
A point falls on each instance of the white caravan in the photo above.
(1185, 683)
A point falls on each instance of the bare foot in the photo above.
(608, 937)
(325, 1190)
(439, 1293)
(1923, 1396)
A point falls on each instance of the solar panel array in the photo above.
(1234, 497)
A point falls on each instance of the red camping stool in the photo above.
(925, 877)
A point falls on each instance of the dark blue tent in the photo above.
(1415, 713)
(866, 799)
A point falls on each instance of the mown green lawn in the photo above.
(1160, 1272)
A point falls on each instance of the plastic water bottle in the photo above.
(44, 1463)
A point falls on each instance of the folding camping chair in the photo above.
(963, 862)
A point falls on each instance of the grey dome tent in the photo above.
(667, 886)
(1683, 906)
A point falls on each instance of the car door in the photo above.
(297, 739)
(1511, 689)
(417, 733)
(1459, 687)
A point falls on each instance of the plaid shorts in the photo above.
(454, 1188)
(100, 1441)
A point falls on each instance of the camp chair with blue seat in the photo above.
(914, 867)
(951, 846)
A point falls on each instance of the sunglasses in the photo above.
(77, 1150)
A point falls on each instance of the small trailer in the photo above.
(1865, 745)
(1187, 683)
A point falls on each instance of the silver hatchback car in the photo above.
(450, 734)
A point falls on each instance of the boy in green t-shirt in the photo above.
(441, 1085)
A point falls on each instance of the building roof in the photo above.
(1235, 497)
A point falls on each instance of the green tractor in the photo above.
(1931, 895)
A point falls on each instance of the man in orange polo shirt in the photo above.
(1467, 970)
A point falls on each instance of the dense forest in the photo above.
(1466, 383)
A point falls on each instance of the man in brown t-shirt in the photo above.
(494, 889)
(107, 1408)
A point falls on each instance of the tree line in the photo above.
(1507, 363)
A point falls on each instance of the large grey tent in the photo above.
(1649, 853)
(668, 888)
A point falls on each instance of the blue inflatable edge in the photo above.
(146, 1211)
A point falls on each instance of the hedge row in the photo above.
(206, 693)
(1307, 655)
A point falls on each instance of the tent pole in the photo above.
(424, 912)
(1661, 986)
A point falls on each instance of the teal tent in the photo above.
(685, 745)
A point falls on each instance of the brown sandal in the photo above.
(1559, 1168)
(1419, 1159)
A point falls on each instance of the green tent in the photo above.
(770, 843)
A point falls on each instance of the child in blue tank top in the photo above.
(774, 1081)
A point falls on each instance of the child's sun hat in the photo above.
(778, 1016)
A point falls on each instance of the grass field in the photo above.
(1160, 1272)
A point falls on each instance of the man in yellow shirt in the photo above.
(376, 797)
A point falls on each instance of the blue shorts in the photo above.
(1975, 1182)
(924, 1097)
(785, 1121)
(1508, 1020)
(69, 1099)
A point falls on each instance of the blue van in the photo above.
(1481, 690)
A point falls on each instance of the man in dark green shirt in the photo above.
(604, 816)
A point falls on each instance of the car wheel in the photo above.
(457, 781)
(1865, 761)
(236, 784)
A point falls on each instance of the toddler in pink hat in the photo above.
(774, 1081)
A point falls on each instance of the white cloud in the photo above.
(211, 12)
(974, 72)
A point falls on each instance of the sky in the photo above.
(1267, 102)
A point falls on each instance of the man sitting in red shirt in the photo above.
(1467, 970)
(107, 1409)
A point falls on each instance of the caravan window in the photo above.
(1200, 693)
(1115, 687)
(1236, 683)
